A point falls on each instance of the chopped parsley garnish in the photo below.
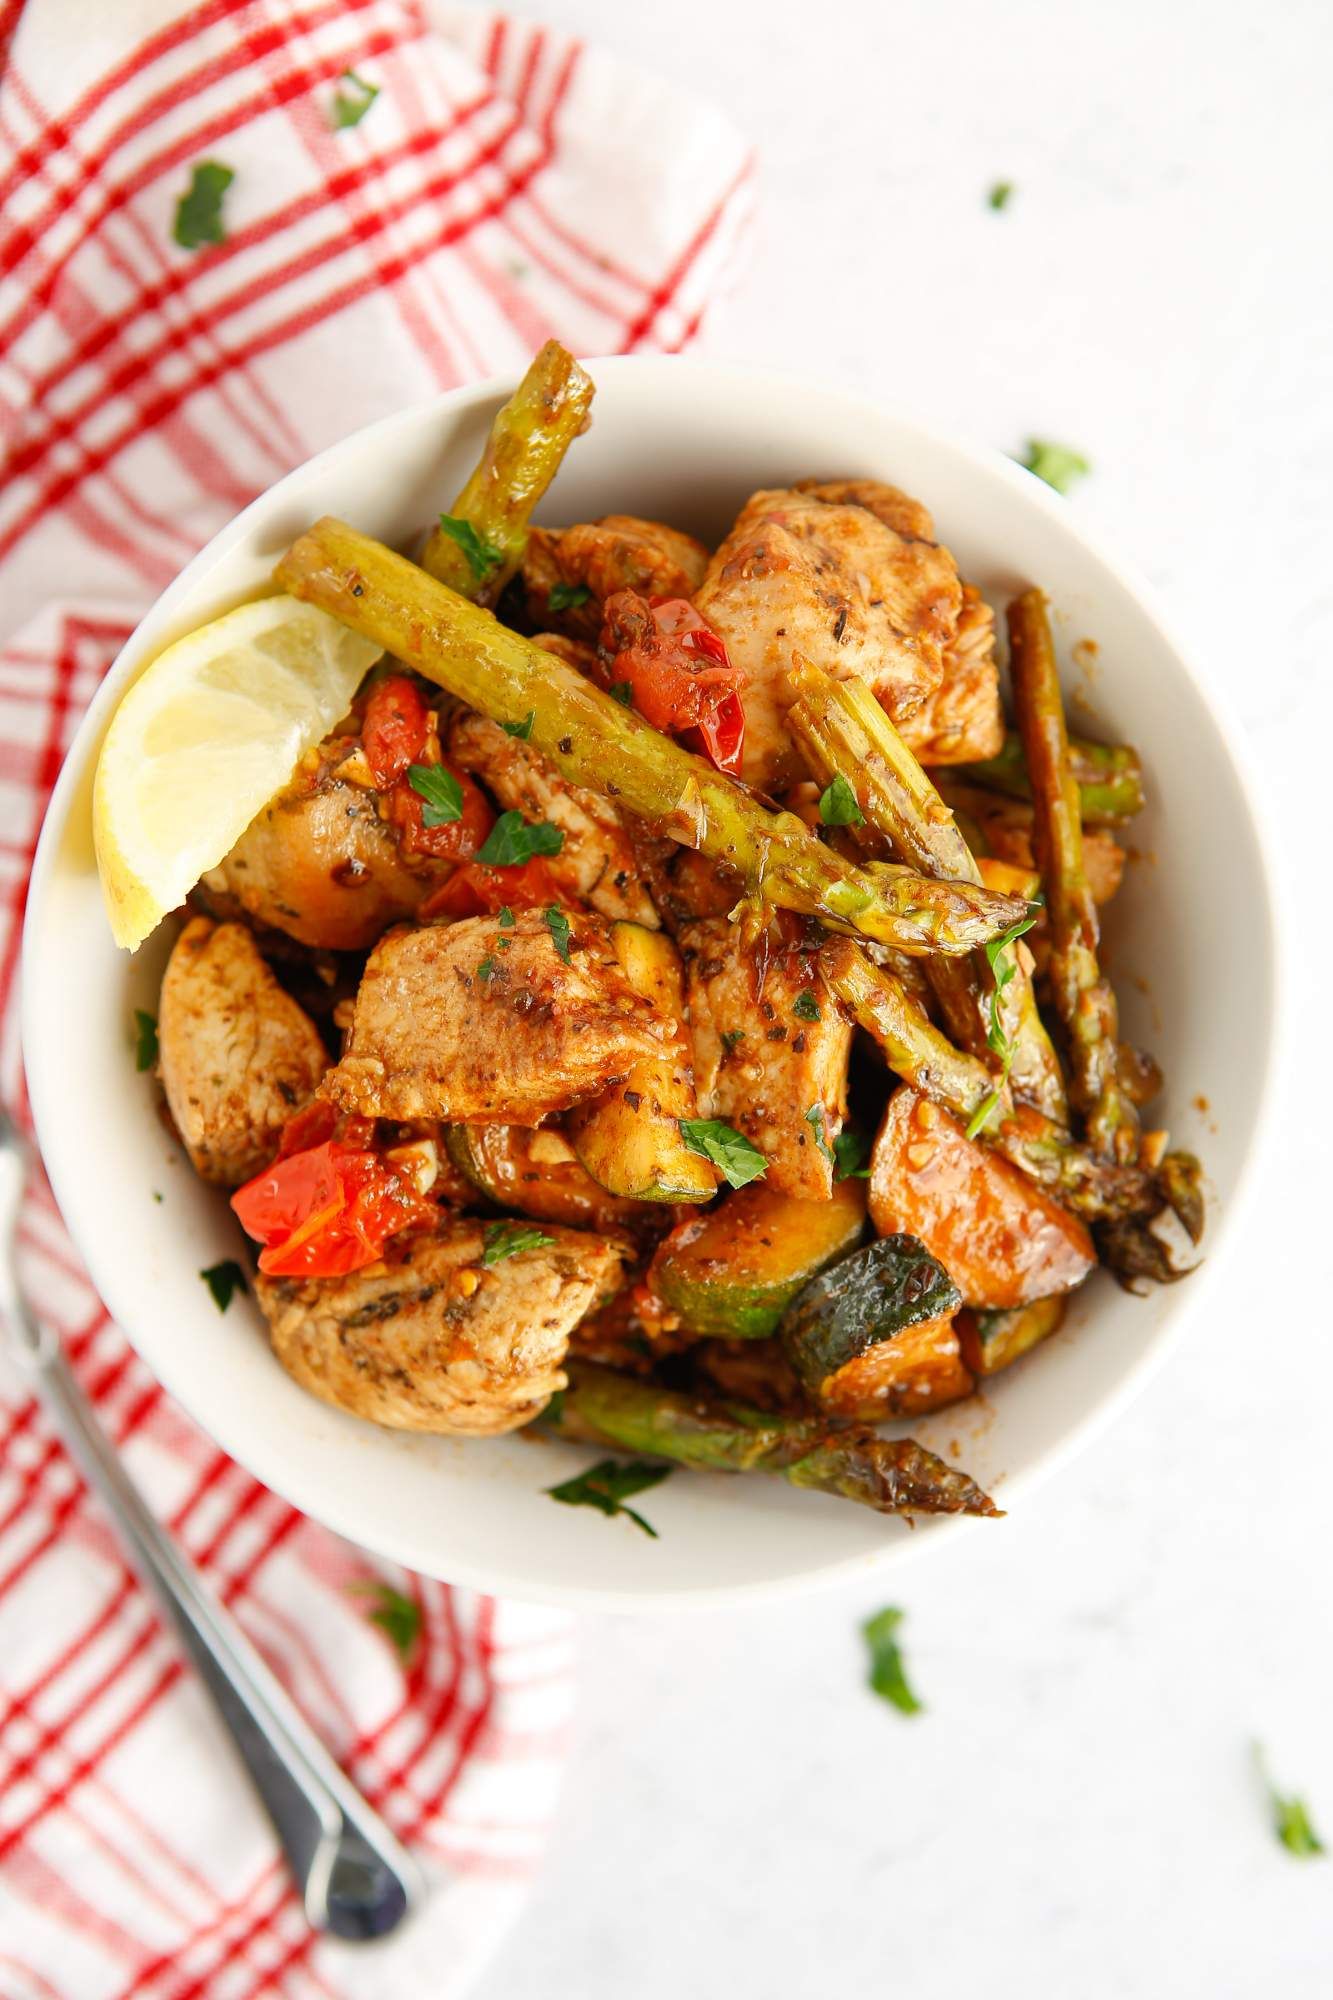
(607, 1485)
(199, 210)
(1002, 970)
(506, 1239)
(887, 1676)
(482, 556)
(440, 793)
(557, 923)
(1056, 463)
(622, 692)
(512, 841)
(805, 1006)
(567, 596)
(506, 917)
(398, 1617)
(1000, 194)
(485, 969)
(736, 1159)
(838, 807)
(554, 1410)
(851, 1149)
(522, 730)
(1291, 1816)
(730, 1037)
(814, 1118)
(145, 1042)
(351, 106)
(224, 1280)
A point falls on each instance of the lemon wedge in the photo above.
(202, 741)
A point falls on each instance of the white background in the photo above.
(1075, 1812)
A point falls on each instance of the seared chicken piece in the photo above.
(761, 1063)
(897, 510)
(597, 862)
(963, 721)
(619, 552)
(965, 709)
(436, 1341)
(837, 585)
(238, 1055)
(319, 863)
(479, 1023)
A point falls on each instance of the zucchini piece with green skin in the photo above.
(733, 1272)
(992, 1340)
(861, 1332)
(535, 1172)
(629, 1139)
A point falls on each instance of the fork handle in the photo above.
(354, 1877)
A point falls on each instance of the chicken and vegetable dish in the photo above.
(665, 1009)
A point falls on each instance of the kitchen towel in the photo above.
(419, 195)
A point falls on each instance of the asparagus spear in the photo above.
(1093, 1188)
(523, 453)
(842, 728)
(593, 740)
(1109, 777)
(894, 1476)
(1084, 999)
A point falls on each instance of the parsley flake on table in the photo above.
(507, 1239)
(851, 1149)
(351, 106)
(607, 1485)
(838, 807)
(557, 923)
(482, 556)
(1001, 193)
(814, 1118)
(199, 210)
(1291, 1816)
(887, 1676)
(736, 1159)
(1056, 463)
(145, 1039)
(805, 1006)
(513, 840)
(224, 1280)
(522, 730)
(397, 1616)
(440, 793)
(567, 596)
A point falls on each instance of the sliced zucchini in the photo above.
(873, 1334)
(536, 1173)
(734, 1271)
(629, 1139)
(991, 1340)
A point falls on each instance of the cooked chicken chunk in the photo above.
(238, 1055)
(761, 1063)
(897, 510)
(596, 863)
(962, 722)
(619, 552)
(319, 863)
(438, 1342)
(480, 1023)
(837, 585)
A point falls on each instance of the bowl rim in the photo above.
(159, 626)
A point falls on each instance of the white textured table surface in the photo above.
(1075, 1811)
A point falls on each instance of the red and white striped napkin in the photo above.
(504, 185)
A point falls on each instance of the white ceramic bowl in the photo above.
(685, 441)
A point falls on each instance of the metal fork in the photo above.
(354, 1877)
